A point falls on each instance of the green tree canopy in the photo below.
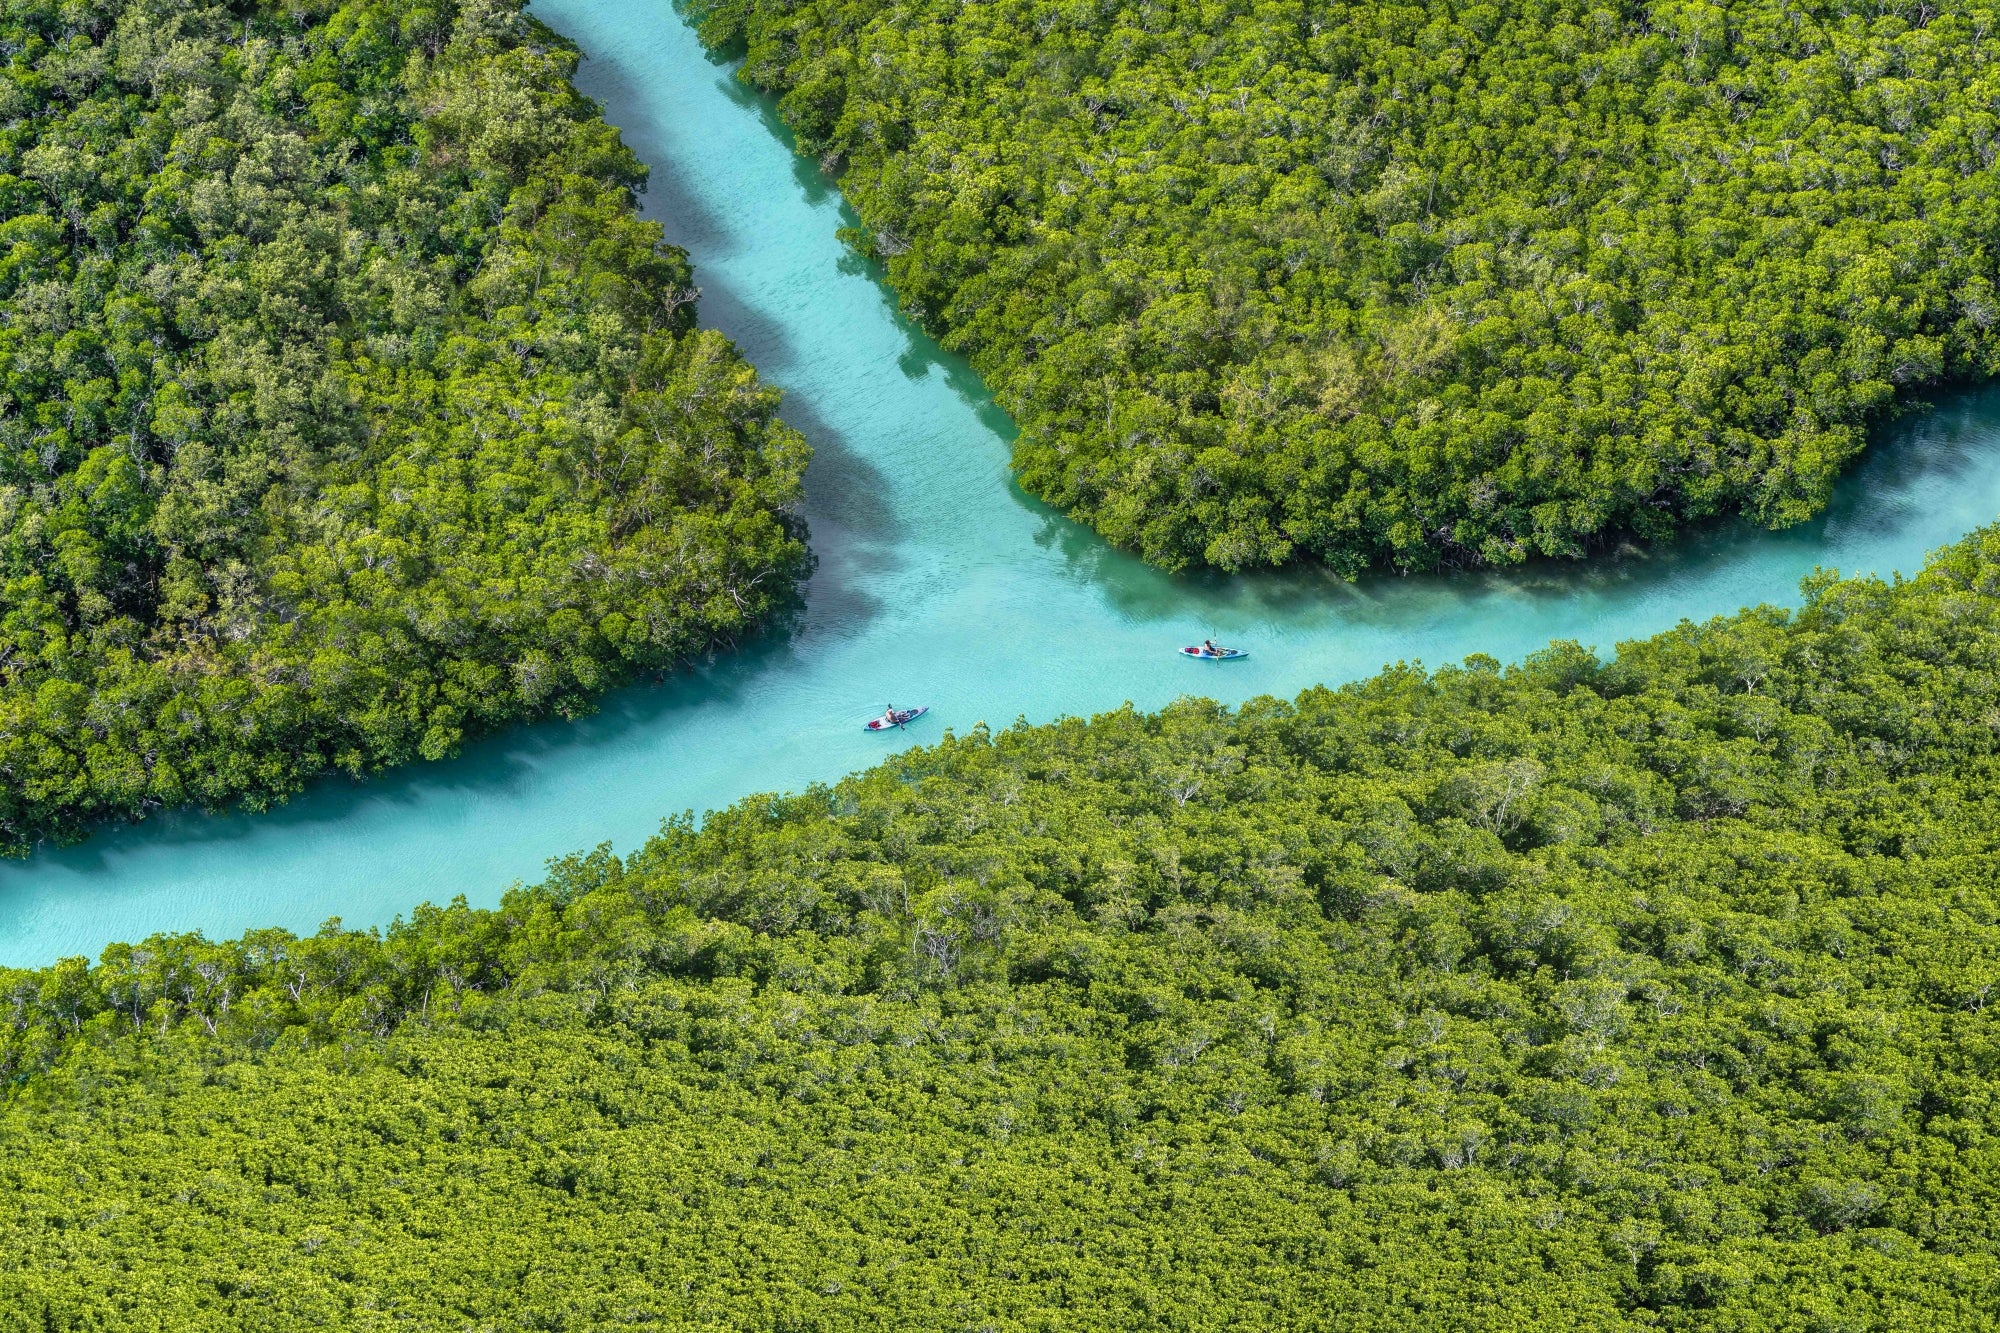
(1655, 993)
(1417, 282)
(346, 404)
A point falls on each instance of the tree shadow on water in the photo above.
(666, 200)
(854, 525)
(846, 502)
(513, 762)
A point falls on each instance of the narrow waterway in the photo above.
(938, 583)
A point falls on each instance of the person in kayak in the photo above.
(1208, 647)
(889, 718)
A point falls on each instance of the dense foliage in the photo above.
(346, 404)
(1425, 281)
(1642, 994)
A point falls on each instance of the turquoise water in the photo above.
(938, 583)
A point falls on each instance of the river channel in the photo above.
(938, 582)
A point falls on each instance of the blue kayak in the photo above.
(1200, 654)
(904, 716)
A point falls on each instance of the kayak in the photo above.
(1227, 654)
(903, 716)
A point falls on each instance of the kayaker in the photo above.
(889, 718)
(1208, 646)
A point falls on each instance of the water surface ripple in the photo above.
(938, 582)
